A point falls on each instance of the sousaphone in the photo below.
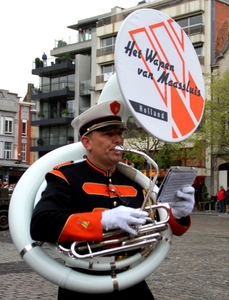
(159, 80)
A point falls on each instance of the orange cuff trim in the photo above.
(82, 226)
(176, 227)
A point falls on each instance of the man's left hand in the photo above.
(183, 206)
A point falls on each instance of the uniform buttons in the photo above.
(115, 203)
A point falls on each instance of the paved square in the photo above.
(196, 267)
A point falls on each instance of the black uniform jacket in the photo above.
(71, 206)
(80, 188)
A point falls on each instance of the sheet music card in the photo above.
(175, 179)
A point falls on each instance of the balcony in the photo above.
(112, 19)
(52, 117)
(64, 90)
(78, 44)
(103, 78)
(49, 143)
(80, 36)
(53, 67)
(105, 51)
(12, 163)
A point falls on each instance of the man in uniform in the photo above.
(84, 199)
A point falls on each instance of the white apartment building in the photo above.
(94, 43)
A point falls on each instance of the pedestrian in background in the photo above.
(227, 200)
(1, 183)
(221, 199)
(44, 58)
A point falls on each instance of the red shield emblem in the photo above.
(115, 107)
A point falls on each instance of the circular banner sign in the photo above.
(159, 75)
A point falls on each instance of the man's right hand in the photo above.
(123, 217)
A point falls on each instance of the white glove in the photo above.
(122, 217)
(183, 206)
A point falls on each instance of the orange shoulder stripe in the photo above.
(63, 164)
(58, 174)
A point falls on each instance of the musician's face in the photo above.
(100, 146)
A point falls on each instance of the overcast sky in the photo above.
(30, 27)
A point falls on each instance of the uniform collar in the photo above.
(106, 173)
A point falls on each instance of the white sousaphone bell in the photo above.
(149, 99)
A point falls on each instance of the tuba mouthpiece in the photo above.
(119, 148)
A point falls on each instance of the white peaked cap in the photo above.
(102, 115)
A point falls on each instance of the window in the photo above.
(107, 71)
(56, 135)
(8, 125)
(109, 68)
(24, 127)
(107, 46)
(85, 34)
(192, 25)
(108, 41)
(57, 82)
(199, 49)
(23, 152)
(44, 84)
(8, 150)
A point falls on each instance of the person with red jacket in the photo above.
(221, 199)
(84, 199)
